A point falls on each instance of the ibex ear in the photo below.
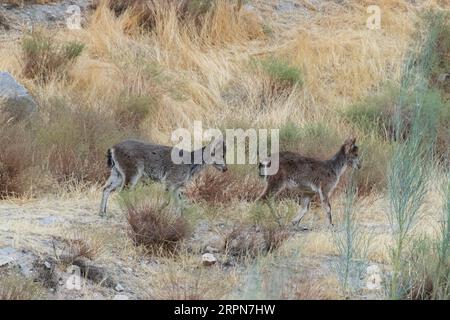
(220, 144)
(348, 144)
(224, 147)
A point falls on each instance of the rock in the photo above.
(46, 273)
(208, 259)
(210, 249)
(14, 98)
(49, 15)
(119, 288)
(443, 76)
(120, 297)
(22, 260)
(94, 273)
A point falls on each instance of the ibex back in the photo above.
(310, 176)
(130, 160)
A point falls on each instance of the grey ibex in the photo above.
(310, 176)
(130, 160)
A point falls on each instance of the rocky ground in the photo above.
(14, 20)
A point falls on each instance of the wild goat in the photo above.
(310, 176)
(129, 160)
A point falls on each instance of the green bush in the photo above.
(281, 73)
(132, 110)
(376, 115)
(44, 58)
(440, 56)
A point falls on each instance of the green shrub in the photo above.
(375, 155)
(376, 115)
(132, 110)
(440, 57)
(282, 75)
(44, 58)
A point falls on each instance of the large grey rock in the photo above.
(14, 98)
(208, 259)
(21, 259)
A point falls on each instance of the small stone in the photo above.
(120, 297)
(442, 77)
(208, 259)
(210, 249)
(119, 287)
(47, 265)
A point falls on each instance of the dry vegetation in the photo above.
(144, 68)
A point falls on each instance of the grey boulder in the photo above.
(14, 98)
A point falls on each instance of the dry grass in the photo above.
(85, 244)
(43, 58)
(157, 227)
(221, 188)
(16, 287)
(246, 242)
(16, 159)
(185, 279)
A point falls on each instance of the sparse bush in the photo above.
(155, 227)
(16, 159)
(154, 223)
(74, 141)
(131, 111)
(408, 173)
(377, 115)
(44, 57)
(17, 287)
(215, 21)
(375, 155)
(306, 138)
(275, 236)
(426, 273)
(440, 59)
(281, 75)
(352, 245)
(220, 188)
(84, 244)
(427, 277)
(264, 232)
(245, 242)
